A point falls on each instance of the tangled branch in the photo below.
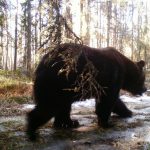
(85, 84)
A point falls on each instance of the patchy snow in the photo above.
(126, 98)
(147, 137)
(28, 106)
(136, 99)
(77, 105)
(90, 103)
(81, 104)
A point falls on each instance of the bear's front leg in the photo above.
(104, 108)
(62, 118)
(121, 109)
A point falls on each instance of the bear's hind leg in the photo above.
(121, 109)
(36, 118)
(62, 118)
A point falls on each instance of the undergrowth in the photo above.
(12, 84)
(15, 89)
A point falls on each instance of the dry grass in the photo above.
(14, 90)
(136, 144)
(13, 86)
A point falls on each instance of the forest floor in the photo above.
(15, 102)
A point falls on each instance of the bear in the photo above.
(73, 72)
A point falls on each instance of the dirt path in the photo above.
(132, 133)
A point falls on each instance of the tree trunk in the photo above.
(68, 17)
(100, 26)
(109, 8)
(16, 38)
(7, 47)
(84, 30)
(29, 38)
(115, 26)
(40, 22)
(132, 54)
(1, 49)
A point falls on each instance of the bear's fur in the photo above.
(55, 87)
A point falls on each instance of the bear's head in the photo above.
(137, 86)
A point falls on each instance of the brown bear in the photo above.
(73, 72)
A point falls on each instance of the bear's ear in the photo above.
(141, 63)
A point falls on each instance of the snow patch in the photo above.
(89, 103)
(147, 137)
(136, 99)
(28, 106)
(81, 104)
